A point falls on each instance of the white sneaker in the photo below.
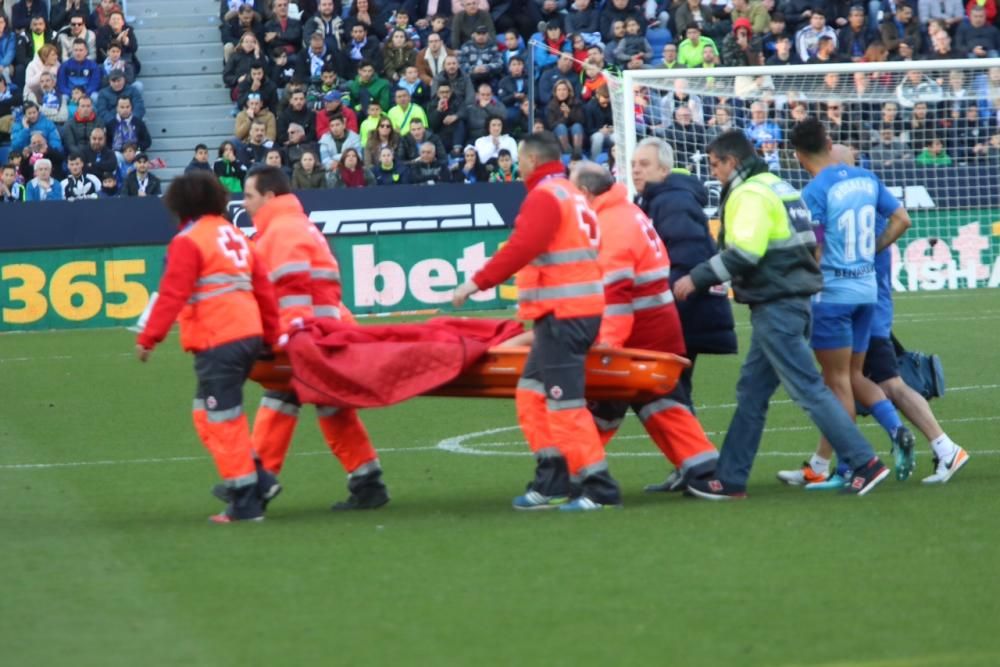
(945, 470)
(801, 476)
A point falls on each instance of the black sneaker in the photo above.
(715, 489)
(368, 492)
(677, 481)
(246, 505)
(268, 487)
(866, 478)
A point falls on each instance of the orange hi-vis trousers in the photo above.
(551, 407)
(217, 411)
(342, 429)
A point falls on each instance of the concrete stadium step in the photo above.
(206, 97)
(151, 10)
(154, 35)
(179, 21)
(211, 66)
(168, 174)
(157, 84)
(187, 51)
(183, 125)
(185, 144)
(181, 158)
(168, 114)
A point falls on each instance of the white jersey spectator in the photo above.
(807, 38)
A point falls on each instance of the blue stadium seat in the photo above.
(4, 152)
(658, 38)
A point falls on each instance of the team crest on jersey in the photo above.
(211, 403)
(556, 392)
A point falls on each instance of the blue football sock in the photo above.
(885, 414)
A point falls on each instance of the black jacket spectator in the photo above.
(477, 117)
(76, 132)
(397, 175)
(595, 116)
(968, 37)
(61, 14)
(21, 13)
(409, 148)
(53, 156)
(232, 30)
(851, 44)
(306, 118)
(289, 35)
(589, 20)
(142, 137)
(624, 9)
(107, 34)
(98, 163)
(508, 89)
(420, 173)
(239, 64)
(677, 208)
(24, 48)
(266, 89)
(154, 188)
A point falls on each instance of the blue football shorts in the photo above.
(839, 325)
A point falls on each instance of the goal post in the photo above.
(929, 129)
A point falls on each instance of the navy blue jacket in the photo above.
(676, 207)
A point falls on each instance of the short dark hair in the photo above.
(201, 147)
(365, 63)
(733, 143)
(503, 152)
(75, 155)
(79, 40)
(196, 194)
(270, 179)
(808, 136)
(544, 144)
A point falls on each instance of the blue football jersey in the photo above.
(882, 322)
(846, 201)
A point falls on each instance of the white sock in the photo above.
(944, 447)
(819, 465)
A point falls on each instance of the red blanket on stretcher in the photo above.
(348, 366)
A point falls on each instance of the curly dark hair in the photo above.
(196, 194)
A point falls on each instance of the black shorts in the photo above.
(880, 361)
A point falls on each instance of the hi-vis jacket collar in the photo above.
(280, 206)
(616, 195)
(544, 172)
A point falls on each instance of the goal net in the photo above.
(929, 129)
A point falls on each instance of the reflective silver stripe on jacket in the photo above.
(611, 277)
(286, 269)
(243, 480)
(719, 267)
(568, 404)
(223, 279)
(326, 311)
(528, 384)
(565, 257)
(659, 405)
(607, 424)
(661, 299)
(323, 411)
(324, 274)
(618, 309)
(561, 292)
(295, 300)
(236, 287)
(652, 276)
(219, 416)
(278, 405)
(199, 404)
(796, 239)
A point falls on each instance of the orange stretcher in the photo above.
(619, 374)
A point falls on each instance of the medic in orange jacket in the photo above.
(640, 313)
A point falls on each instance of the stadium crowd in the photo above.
(363, 92)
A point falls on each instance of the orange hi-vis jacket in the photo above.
(304, 272)
(565, 279)
(215, 286)
(639, 310)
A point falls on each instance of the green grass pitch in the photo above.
(107, 559)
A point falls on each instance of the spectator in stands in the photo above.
(776, 29)
(753, 12)
(759, 124)
(489, 146)
(409, 145)
(79, 184)
(200, 160)
(10, 189)
(229, 170)
(583, 18)
(27, 46)
(633, 51)
(107, 98)
(551, 11)
(308, 174)
(43, 187)
(127, 128)
(691, 52)
(281, 71)
(397, 55)
(114, 62)
(405, 111)
(33, 122)
(117, 31)
(721, 121)
(430, 61)
(101, 15)
(141, 182)
(351, 173)
(564, 117)
(563, 71)
(551, 45)
(740, 48)
(326, 20)
(335, 141)
(934, 153)
(854, 38)
(840, 129)
(599, 123)
(296, 112)
(372, 120)
(970, 136)
(808, 37)
(419, 92)
(8, 41)
(252, 112)
(333, 105)
(470, 169)
(258, 83)
(368, 87)
(679, 97)
(465, 22)
(370, 15)
(593, 78)
(506, 169)
(246, 20)
(24, 10)
(46, 60)
(387, 171)
(977, 37)
(297, 145)
(477, 114)
(361, 49)
(283, 32)
(77, 29)
(383, 136)
(888, 150)
(480, 58)
(920, 125)
(445, 119)
(669, 57)
(619, 10)
(126, 160)
(79, 71)
(38, 148)
(784, 54)
(318, 57)
(256, 144)
(229, 9)
(109, 186)
(50, 103)
(427, 169)
(951, 12)
(513, 88)
(462, 92)
(9, 100)
(903, 28)
(687, 138)
(246, 55)
(826, 52)
(98, 156)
